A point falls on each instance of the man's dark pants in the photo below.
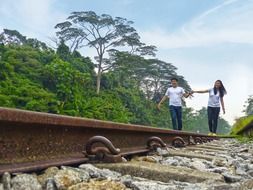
(176, 117)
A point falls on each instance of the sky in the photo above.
(205, 39)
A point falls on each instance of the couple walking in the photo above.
(175, 94)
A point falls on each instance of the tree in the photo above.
(101, 32)
(13, 37)
(152, 76)
(67, 83)
(249, 106)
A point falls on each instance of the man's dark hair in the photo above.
(174, 79)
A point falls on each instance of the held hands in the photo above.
(190, 94)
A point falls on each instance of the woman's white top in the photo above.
(214, 99)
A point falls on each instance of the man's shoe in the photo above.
(214, 134)
(210, 134)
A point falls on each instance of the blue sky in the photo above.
(205, 39)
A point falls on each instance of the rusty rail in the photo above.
(32, 140)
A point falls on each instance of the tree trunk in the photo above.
(99, 73)
(98, 81)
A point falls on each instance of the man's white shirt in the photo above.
(175, 95)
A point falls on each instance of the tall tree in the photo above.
(101, 32)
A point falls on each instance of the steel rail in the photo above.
(33, 140)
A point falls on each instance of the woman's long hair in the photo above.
(221, 90)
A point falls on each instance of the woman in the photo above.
(216, 95)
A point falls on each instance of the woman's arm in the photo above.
(200, 91)
(186, 95)
(222, 105)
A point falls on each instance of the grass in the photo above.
(240, 124)
(242, 139)
(228, 136)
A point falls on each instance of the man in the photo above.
(175, 94)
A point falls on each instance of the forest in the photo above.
(122, 83)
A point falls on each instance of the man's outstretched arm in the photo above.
(162, 100)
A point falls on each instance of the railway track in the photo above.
(31, 141)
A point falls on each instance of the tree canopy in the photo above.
(103, 33)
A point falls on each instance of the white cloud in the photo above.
(227, 22)
(33, 18)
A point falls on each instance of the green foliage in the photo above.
(244, 140)
(106, 106)
(241, 123)
(20, 76)
(22, 93)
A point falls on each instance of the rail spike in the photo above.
(191, 141)
(102, 154)
(198, 140)
(210, 139)
(204, 139)
(154, 142)
(178, 142)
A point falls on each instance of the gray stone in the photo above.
(154, 159)
(50, 185)
(229, 178)
(221, 186)
(244, 150)
(126, 179)
(197, 164)
(248, 184)
(219, 162)
(240, 171)
(250, 172)
(245, 156)
(25, 182)
(218, 170)
(150, 185)
(95, 172)
(98, 185)
(6, 180)
(47, 174)
(110, 174)
(170, 161)
(162, 152)
(250, 166)
(84, 175)
(65, 178)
